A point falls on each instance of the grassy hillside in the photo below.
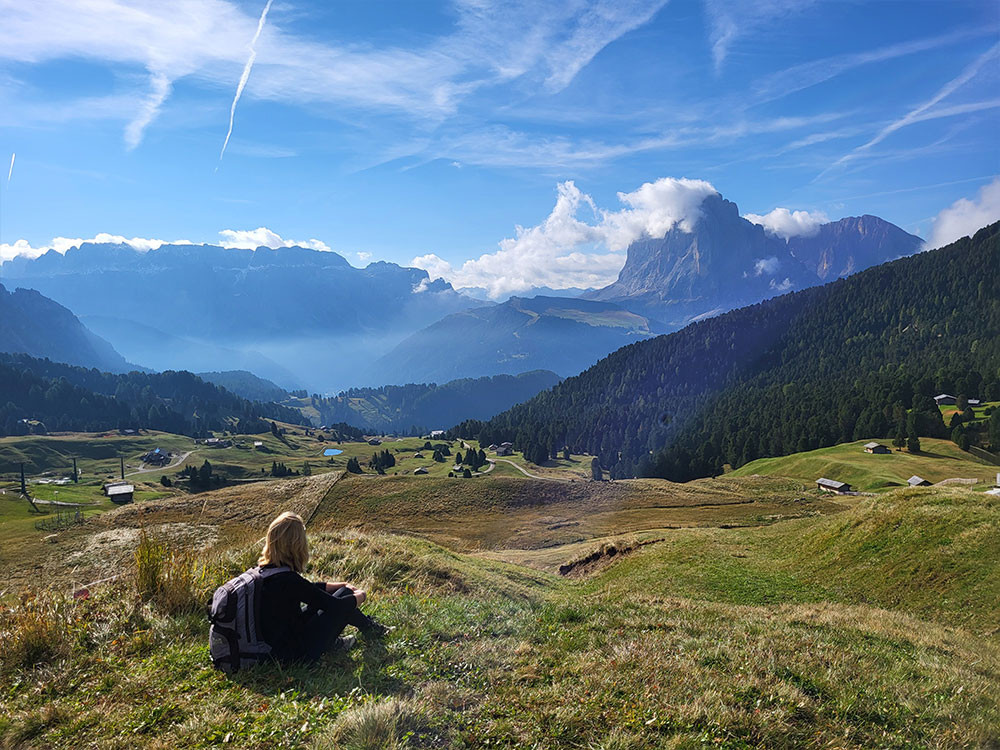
(516, 512)
(769, 637)
(937, 460)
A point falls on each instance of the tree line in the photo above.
(39, 395)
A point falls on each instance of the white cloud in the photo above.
(264, 237)
(244, 238)
(965, 217)
(62, 244)
(565, 251)
(207, 41)
(768, 265)
(160, 86)
(500, 146)
(781, 286)
(925, 111)
(731, 19)
(655, 208)
(805, 75)
(786, 224)
(364, 257)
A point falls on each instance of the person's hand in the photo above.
(333, 586)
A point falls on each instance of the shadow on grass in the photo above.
(336, 673)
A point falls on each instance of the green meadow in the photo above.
(936, 461)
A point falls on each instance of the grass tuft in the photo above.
(34, 632)
(386, 725)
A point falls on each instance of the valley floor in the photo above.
(732, 613)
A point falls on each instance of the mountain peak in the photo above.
(727, 262)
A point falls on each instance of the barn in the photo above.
(875, 448)
(832, 485)
(121, 493)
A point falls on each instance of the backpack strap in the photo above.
(253, 607)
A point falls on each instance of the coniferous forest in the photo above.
(40, 395)
(861, 357)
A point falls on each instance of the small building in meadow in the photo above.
(832, 485)
(944, 399)
(975, 402)
(420, 470)
(875, 448)
(418, 455)
(121, 493)
(505, 449)
(374, 441)
(916, 481)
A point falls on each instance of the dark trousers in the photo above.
(320, 628)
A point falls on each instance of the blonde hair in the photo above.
(285, 543)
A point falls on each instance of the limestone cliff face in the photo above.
(843, 247)
(725, 262)
(728, 262)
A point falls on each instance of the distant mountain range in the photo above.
(290, 311)
(308, 319)
(246, 385)
(728, 262)
(31, 323)
(560, 334)
(420, 408)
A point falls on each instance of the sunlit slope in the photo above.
(931, 552)
(847, 462)
(498, 512)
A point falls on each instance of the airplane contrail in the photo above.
(246, 76)
(11, 170)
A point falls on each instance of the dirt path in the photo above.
(493, 465)
(526, 472)
(180, 459)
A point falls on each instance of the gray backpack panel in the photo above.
(234, 636)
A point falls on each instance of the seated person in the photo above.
(300, 620)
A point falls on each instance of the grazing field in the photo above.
(518, 512)
(978, 411)
(869, 628)
(937, 460)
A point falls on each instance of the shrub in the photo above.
(175, 581)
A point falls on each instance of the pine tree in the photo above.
(595, 469)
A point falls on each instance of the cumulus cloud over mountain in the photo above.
(964, 216)
(231, 238)
(786, 224)
(567, 250)
(62, 244)
(264, 237)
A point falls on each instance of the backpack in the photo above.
(234, 636)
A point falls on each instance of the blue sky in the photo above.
(479, 137)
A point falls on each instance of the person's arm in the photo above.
(314, 595)
(331, 586)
